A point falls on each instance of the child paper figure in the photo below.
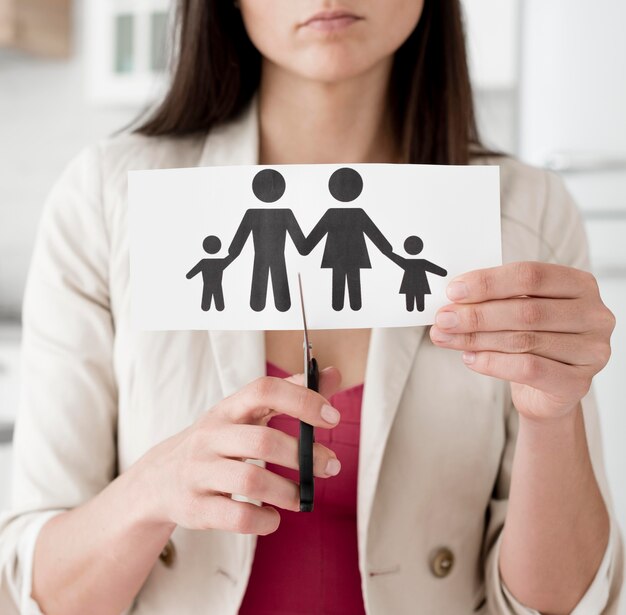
(415, 282)
(212, 270)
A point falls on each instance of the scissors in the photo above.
(307, 437)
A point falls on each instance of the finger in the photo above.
(561, 381)
(523, 314)
(282, 397)
(330, 380)
(252, 481)
(273, 446)
(568, 348)
(220, 512)
(532, 279)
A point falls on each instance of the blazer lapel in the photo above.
(390, 359)
(239, 357)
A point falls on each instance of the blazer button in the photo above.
(442, 562)
(168, 555)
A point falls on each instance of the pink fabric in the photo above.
(310, 564)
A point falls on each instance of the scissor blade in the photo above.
(307, 437)
(307, 346)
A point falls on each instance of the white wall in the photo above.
(588, 100)
(44, 122)
(573, 95)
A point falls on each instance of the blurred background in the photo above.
(550, 88)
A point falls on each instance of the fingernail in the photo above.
(440, 336)
(457, 290)
(469, 357)
(332, 467)
(329, 414)
(447, 320)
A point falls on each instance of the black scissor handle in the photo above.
(305, 448)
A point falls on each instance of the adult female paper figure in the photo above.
(345, 229)
(415, 284)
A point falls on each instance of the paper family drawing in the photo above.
(375, 244)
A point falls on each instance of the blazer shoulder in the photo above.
(134, 152)
(535, 204)
(523, 187)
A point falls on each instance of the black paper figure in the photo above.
(269, 228)
(414, 284)
(212, 270)
(346, 251)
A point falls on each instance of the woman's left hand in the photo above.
(542, 327)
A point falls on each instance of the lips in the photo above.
(331, 20)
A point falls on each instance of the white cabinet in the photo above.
(126, 49)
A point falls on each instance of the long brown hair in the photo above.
(217, 71)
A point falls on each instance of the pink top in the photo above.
(310, 563)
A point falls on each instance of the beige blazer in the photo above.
(436, 442)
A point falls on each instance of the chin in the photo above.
(333, 65)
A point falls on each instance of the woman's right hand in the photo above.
(188, 479)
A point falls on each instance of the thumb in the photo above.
(330, 380)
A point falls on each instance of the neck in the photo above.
(306, 121)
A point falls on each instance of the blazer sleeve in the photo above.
(64, 450)
(564, 241)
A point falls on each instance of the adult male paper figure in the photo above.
(269, 228)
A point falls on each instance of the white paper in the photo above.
(455, 211)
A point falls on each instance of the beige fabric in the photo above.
(436, 439)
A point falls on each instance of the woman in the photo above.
(474, 494)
